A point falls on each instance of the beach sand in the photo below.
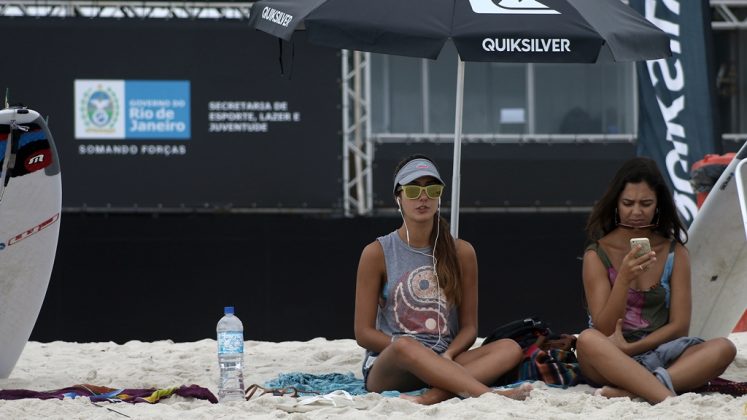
(46, 366)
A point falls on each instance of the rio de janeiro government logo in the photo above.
(99, 109)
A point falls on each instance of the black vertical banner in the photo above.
(676, 124)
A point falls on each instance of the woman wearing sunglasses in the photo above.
(416, 302)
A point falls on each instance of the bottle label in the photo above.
(230, 342)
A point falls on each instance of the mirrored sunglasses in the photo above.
(413, 192)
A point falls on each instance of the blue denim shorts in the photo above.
(368, 361)
(664, 355)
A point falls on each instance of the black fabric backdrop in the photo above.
(224, 61)
(290, 277)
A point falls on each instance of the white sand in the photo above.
(45, 366)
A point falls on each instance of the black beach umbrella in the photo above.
(515, 31)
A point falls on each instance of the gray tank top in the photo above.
(411, 302)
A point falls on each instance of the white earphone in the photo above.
(432, 255)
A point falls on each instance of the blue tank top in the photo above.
(411, 303)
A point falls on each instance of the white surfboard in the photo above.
(30, 203)
(718, 254)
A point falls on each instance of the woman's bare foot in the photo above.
(433, 395)
(412, 398)
(612, 392)
(519, 393)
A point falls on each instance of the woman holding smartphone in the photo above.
(639, 302)
(416, 302)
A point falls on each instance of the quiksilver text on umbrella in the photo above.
(526, 44)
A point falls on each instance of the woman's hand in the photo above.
(632, 266)
(618, 339)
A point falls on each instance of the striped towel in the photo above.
(101, 393)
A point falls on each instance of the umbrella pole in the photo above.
(456, 177)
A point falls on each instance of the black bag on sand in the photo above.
(524, 331)
(548, 357)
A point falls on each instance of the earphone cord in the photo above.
(435, 271)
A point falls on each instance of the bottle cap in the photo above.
(228, 310)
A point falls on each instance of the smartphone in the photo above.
(644, 243)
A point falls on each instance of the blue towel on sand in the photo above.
(326, 383)
(322, 384)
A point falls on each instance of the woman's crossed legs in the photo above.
(408, 365)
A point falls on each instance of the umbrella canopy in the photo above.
(526, 31)
(515, 31)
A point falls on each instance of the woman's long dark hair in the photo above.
(448, 269)
(603, 218)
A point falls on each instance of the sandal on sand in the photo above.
(290, 391)
(249, 392)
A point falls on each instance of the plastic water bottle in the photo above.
(230, 356)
